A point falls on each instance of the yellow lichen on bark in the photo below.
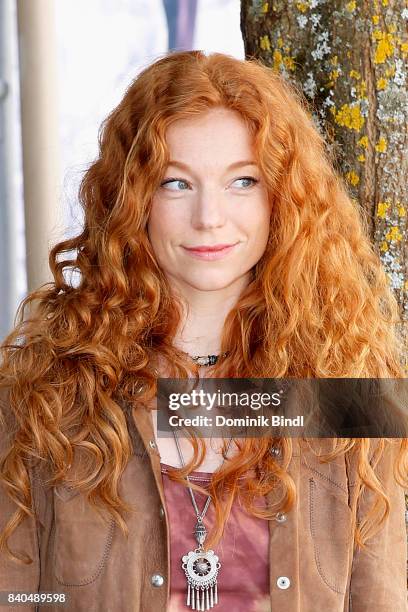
(350, 117)
(385, 46)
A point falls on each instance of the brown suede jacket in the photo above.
(312, 564)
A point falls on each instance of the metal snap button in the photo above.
(283, 582)
(157, 580)
(161, 512)
(281, 517)
(152, 444)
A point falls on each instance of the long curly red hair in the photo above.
(318, 304)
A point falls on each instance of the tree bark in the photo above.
(350, 58)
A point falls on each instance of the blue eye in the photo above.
(252, 180)
(174, 180)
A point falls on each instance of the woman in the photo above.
(202, 151)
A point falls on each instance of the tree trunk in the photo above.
(350, 58)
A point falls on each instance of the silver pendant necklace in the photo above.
(200, 566)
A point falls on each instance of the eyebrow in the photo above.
(236, 164)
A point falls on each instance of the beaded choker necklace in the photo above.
(207, 360)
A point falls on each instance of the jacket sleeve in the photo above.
(15, 576)
(379, 574)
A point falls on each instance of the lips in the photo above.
(210, 252)
(205, 248)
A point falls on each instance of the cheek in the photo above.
(261, 217)
(159, 224)
(166, 220)
(261, 237)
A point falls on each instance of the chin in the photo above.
(208, 282)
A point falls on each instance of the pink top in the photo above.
(243, 551)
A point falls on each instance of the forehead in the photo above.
(219, 134)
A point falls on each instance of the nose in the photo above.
(208, 210)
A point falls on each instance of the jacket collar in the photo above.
(142, 418)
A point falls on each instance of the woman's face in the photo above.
(211, 194)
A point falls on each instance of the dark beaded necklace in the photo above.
(207, 360)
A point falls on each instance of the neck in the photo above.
(203, 319)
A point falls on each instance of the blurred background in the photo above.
(64, 65)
